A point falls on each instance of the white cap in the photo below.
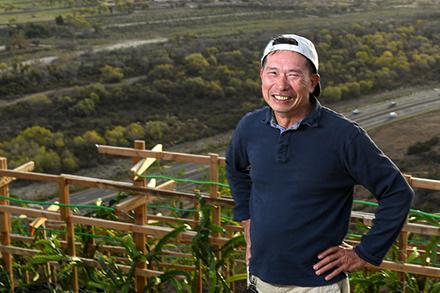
(295, 43)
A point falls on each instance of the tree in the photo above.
(365, 86)
(84, 148)
(38, 144)
(59, 20)
(47, 160)
(333, 93)
(134, 131)
(196, 63)
(155, 130)
(116, 136)
(40, 101)
(77, 20)
(83, 108)
(68, 161)
(111, 74)
(17, 40)
(385, 60)
(163, 71)
(92, 137)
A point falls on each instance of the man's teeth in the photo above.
(281, 98)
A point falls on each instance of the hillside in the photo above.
(195, 85)
(414, 146)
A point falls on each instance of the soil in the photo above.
(405, 133)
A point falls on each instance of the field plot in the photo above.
(24, 11)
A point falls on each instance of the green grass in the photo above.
(281, 21)
(34, 16)
(24, 11)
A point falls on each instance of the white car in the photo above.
(356, 111)
(392, 114)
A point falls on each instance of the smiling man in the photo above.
(292, 167)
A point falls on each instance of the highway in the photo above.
(378, 114)
(368, 116)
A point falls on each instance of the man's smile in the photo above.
(281, 98)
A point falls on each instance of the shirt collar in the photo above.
(312, 120)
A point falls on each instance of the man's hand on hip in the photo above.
(247, 236)
(338, 259)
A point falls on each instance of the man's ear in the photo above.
(315, 80)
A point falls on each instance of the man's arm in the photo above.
(237, 172)
(368, 165)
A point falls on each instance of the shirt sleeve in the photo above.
(237, 173)
(371, 168)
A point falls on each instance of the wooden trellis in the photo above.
(143, 193)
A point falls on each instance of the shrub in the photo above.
(422, 147)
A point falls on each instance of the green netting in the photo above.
(412, 211)
(184, 180)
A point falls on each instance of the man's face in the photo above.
(286, 82)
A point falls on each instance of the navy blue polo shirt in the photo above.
(297, 185)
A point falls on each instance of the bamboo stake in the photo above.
(141, 211)
(213, 192)
(425, 183)
(199, 288)
(143, 164)
(213, 188)
(5, 227)
(410, 227)
(403, 245)
(129, 187)
(138, 200)
(26, 167)
(66, 215)
(403, 255)
(29, 175)
(168, 156)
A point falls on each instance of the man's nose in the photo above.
(282, 83)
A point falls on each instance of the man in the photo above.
(292, 167)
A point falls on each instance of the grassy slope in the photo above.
(405, 133)
(395, 138)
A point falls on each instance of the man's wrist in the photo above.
(360, 252)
